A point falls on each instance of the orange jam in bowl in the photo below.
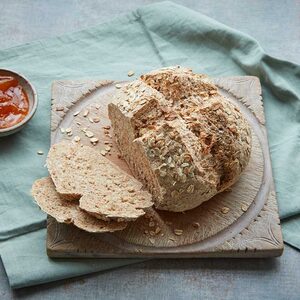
(14, 104)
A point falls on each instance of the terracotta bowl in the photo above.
(32, 98)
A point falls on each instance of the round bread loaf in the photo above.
(182, 138)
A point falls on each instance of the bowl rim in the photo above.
(34, 106)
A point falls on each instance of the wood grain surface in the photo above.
(241, 222)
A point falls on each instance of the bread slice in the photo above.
(105, 191)
(182, 138)
(129, 206)
(64, 211)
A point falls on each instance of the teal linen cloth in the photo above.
(153, 36)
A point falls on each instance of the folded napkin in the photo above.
(153, 36)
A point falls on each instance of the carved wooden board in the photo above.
(242, 222)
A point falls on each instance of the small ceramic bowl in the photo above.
(32, 98)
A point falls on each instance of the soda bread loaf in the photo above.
(180, 136)
(105, 191)
(65, 211)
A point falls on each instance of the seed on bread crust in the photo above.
(89, 134)
(94, 140)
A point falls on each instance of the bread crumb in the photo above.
(118, 86)
(244, 208)
(96, 120)
(102, 152)
(225, 210)
(178, 231)
(62, 130)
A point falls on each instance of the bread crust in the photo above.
(180, 136)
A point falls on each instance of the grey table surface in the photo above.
(276, 25)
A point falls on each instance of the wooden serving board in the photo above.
(242, 222)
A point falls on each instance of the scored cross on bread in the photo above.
(182, 138)
(103, 189)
